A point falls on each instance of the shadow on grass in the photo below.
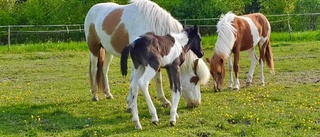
(52, 119)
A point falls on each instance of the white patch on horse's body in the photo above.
(181, 41)
(254, 30)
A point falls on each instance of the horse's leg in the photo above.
(262, 49)
(143, 82)
(175, 86)
(230, 65)
(262, 75)
(93, 74)
(106, 64)
(254, 60)
(129, 97)
(132, 99)
(160, 94)
(236, 69)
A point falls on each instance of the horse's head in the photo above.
(194, 74)
(217, 71)
(194, 41)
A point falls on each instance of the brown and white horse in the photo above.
(240, 33)
(109, 27)
(149, 53)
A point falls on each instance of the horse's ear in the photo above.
(196, 28)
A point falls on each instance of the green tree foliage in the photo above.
(5, 12)
(42, 12)
(277, 6)
(307, 6)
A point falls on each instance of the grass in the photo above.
(44, 91)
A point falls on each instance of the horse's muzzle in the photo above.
(193, 103)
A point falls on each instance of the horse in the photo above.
(149, 53)
(109, 27)
(236, 34)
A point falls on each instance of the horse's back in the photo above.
(261, 23)
(100, 9)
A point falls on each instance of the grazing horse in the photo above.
(109, 27)
(240, 33)
(149, 53)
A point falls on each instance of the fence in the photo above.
(43, 33)
(40, 33)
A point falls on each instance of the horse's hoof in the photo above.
(129, 110)
(248, 84)
(172, 123)
(155, 123)
(95, 99)
(236, 89)
(229, 88)
(137, 125)
(167, 105)
(109, 97)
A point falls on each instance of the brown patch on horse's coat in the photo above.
(257, 18)
(244, 31)
(244, 36)
(111, 21)
(195, 79)
(119, 38)
(164, 46)
(93, 41)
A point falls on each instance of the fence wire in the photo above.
(15, 34)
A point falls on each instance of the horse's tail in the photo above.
(268, 57)
(99, 75)
(124, 60)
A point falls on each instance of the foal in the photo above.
(149, 53)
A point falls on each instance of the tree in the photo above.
(277, 6)
(308, 6)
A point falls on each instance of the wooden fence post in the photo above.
(9, 37)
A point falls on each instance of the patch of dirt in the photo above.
(283, 78)
(304, 77)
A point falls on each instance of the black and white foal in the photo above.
(151, 52)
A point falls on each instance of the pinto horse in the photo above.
(109, 27)
(240, 33)
(149, 53)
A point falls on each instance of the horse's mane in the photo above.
(202, 70)
(226, 35)
(160, 21)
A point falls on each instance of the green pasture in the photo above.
(44, 91)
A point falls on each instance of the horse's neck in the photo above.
(157, 19)
(181, 38)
